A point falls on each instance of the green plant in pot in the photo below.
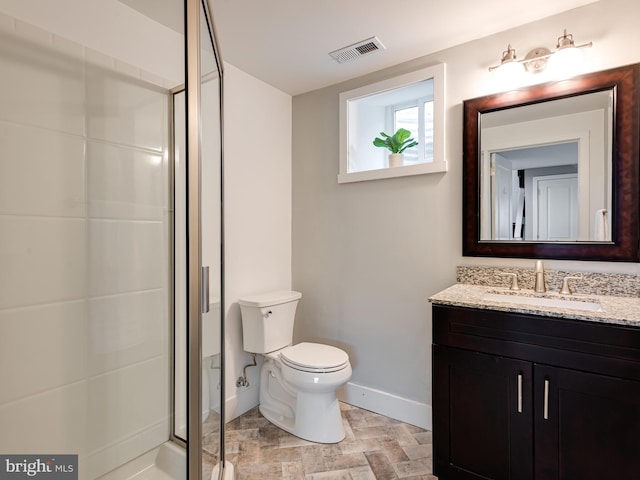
(397, 144)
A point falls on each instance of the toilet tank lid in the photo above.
(269, 299)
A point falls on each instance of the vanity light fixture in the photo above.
(566, 60)
(508, 73)
(562, 63)
(509, 62)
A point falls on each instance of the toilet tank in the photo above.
(267, 320)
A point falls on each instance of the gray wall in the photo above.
(368, 255)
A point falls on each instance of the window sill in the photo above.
(392, 172)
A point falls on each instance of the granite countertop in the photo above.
(616, 310)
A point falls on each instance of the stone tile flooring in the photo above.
(375, 448)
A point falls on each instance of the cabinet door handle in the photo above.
(519, 393)
(545, 412)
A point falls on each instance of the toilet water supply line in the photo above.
(243, 381)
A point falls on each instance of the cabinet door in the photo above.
(482, 411)
(587, 426)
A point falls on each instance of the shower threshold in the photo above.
(166, 462)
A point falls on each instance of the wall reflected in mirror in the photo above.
(546, 170)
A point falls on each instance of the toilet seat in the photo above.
(314, 358)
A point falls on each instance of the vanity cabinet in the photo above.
(530, 397)
(479, 432)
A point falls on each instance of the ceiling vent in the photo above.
(356, 50)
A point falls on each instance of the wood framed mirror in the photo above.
(581, 200)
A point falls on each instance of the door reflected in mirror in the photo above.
(546, 171)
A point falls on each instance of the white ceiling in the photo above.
(537, 111)
(543, 156)
(286, 42)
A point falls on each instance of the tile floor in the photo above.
(375, 448)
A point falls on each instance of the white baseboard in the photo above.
(244, 400)
(387, 404)
(384, 403)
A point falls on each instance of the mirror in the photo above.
(551, 171)
(545, 170)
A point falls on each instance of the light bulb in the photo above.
(565, 63)
(508, 75)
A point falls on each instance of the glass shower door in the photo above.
(204, 246)
(85, 245)
(211, 381)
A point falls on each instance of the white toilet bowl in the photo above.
(298, 390)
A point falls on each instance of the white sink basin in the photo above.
(588, 306)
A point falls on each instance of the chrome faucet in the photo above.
(539, 285)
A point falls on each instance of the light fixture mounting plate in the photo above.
(536, 60)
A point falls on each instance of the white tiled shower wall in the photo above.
(84, 242)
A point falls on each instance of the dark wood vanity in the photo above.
(522, 393)
(519, 396)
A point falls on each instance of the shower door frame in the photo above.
(196, 296)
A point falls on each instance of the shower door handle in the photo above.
(205, 289)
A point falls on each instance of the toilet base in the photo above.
(313, 416)
(308, 425)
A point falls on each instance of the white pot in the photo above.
(396, 159)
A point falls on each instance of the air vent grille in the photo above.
(356, 50)
(367, 48)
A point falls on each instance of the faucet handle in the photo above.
(566, 290)
(514, 279)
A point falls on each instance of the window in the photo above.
(413, 101)
(417, 117)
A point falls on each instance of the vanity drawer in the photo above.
(582, 345)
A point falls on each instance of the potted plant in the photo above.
(397, 144)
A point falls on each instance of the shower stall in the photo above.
(111, 292)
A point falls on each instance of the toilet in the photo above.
(298, 383)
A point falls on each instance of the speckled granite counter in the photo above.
(618, 310)
(588, 283)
